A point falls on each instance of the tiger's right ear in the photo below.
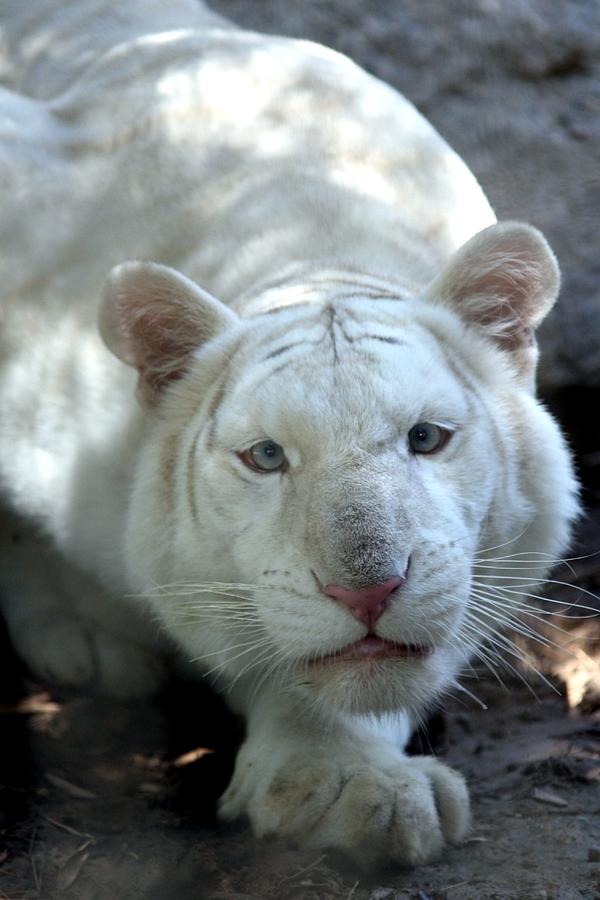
(153, 318)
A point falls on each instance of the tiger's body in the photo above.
(329, 219)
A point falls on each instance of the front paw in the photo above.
(395, 810)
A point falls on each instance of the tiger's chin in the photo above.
(374, 676)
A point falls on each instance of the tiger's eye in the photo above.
(266, 456)
(425, 437)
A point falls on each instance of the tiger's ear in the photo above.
(154, 318)
(503, 281)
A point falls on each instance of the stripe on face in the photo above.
(473, 395)
(279, 350)
(168, 465)
(335, 330)
(384, 338)
(191, 477)
(211, 421)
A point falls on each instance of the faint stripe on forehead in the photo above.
(283, 349)
(384, 338)
(294, 360)
(335, 319)
(296, 335)
(287, 364)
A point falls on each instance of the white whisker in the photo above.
(523, 629)
(460, 687)
(253, 645)
(509, 589)
(505, 645)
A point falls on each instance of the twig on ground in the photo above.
(67, 828)
(303, 871)
(73, 790)
(352, 889)
(36, 876)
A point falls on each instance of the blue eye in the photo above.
(428, 438)
(266, 456)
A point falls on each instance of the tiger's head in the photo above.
(329, 489)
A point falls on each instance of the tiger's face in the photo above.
(319, 487)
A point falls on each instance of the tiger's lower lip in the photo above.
(374, 648)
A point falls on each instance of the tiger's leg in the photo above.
(342, 783)
(66, 628)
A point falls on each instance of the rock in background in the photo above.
(514, 86)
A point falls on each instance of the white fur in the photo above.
(319, 206)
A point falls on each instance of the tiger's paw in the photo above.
(395, 810)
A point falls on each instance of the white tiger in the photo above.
(316, 462)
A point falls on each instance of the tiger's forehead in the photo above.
(337, 366)
(335, 329)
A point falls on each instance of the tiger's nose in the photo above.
(368, 604)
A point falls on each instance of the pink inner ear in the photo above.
(153, 318)
(157, 378)
(500, 296)
(160, 343)
(503, 280)
(510, 298)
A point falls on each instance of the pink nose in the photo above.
(368, 604)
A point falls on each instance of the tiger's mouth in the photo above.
(373, 647)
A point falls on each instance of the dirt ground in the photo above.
(103, 800)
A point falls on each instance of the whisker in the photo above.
(179, 595)
(497, 601)
(216, 616)
(505, 544)
(523, 629)
(226, 662)
(483, 655)
(226, 649)
(502, 661)
(554, 560)
(266, 674)
(502, 642)
(460, 687)
(261, 659)
(508, 589)
(524, 566)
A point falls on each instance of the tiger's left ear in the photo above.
(503, 282)
(154, 318)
